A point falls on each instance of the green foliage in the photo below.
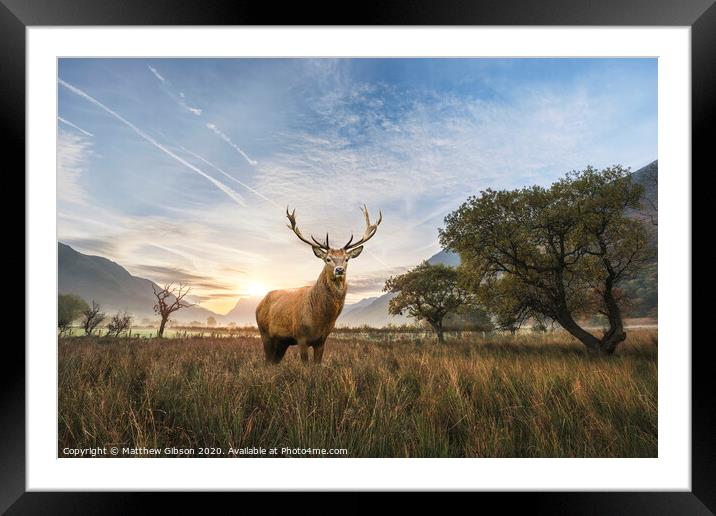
(427, 293)
(641, 292)
(469, 318)
(69, 308)
(557, 253)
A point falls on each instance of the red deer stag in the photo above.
(306, 315)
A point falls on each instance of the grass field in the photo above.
(532, 395)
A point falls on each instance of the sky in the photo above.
(181, 169)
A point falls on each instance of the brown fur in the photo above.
(306, 316)
(303, 316)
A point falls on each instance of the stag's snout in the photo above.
(339, 271)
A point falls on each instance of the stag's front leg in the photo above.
(318, 353)
(303, 351)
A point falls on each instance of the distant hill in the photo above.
(112, 286)
(243, 313)
(647, 177)
(446, 258)
(642, 289)
(360, 304)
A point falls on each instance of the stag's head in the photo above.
(336, 259)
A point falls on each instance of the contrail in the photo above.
(156, 74)
(181, 100)
(376, 257)
(73, 125)
(231, 177)
(221, 186)
(221, 135)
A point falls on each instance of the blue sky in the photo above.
(180, 169)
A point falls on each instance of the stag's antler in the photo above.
(370, 229)
(292, 218)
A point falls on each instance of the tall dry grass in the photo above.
(523, 396)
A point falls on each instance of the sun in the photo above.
(256, 289)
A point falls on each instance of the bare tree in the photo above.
(92, 317)
(119, 324)
(169, 300)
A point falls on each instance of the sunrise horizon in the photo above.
(181, 169)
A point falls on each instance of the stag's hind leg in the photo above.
(280, 349)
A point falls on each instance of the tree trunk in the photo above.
(616, 334)
(160, 333)
(438, 328)
(568, 323)
(607, 344)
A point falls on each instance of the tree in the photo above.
(556, 253)
(469, 318)
(120, 323)
(92, 317)
(210, 321)
(169, 300)
(69, 308)
(427, 293)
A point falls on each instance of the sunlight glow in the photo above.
(256, 289)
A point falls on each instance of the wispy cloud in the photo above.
(166, 274)
(67, 122)
(328, 135)
(98, 245)
(73, 154)
(252, 190)
(221, 186)
(223, 136)
(372, 283)
(180, 99)
(156, 74)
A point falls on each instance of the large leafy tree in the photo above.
(557, 253)
(428, 293)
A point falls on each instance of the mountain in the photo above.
(95, 278)
(243, 313)
(374, 311)
(642, 289)
(647, 177)
(446, 258)
(360, 304)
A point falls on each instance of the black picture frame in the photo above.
(700, 15)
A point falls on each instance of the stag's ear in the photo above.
(355, 253)
(320, 253)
